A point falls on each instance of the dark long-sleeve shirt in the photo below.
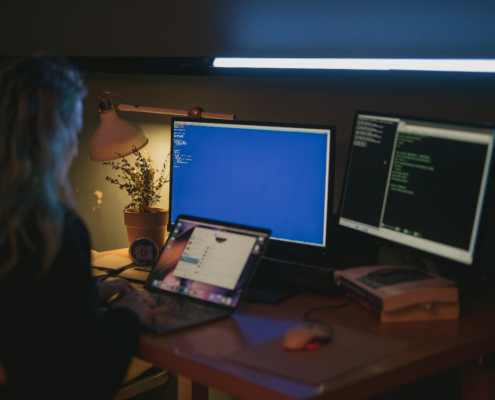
(54, 341)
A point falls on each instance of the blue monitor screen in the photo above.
(273, 176)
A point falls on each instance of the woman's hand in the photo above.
(140, 303)
(108, 289)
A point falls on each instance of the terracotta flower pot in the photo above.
(150, 225)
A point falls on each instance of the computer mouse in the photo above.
(307, 337)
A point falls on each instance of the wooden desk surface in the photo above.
(436, 346)
(197, 353)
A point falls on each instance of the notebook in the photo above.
(203, 271)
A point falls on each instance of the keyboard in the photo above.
(183, 309)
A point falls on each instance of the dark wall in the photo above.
(332, 100)
(316, 28)
(290, 28)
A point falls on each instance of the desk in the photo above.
(195, 354)
(436, 346)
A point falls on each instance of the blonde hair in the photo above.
(38, 97)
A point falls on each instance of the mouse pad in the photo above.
(349, 350)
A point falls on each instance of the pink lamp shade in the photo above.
(115, 136)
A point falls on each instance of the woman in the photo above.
(54, 341)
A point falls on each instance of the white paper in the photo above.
(111, 262)
(95, 255)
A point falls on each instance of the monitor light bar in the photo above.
(370, 64)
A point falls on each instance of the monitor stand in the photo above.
(390, 255)
(267, 296)
(277, 280)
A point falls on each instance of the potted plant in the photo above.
(138, 182)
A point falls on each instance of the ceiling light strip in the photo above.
(370, 64)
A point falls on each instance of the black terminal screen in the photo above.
(417, 183)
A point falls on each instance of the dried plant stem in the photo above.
(138, 181)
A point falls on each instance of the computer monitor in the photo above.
(273, 175)
(418, 183)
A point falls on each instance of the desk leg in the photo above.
(477, 383)
(189, 390)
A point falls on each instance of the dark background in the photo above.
(149, 52)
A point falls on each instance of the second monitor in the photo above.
(418, 183)
(278, 176)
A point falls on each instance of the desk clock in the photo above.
(143, 251)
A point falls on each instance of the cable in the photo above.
(310, 311)
(307, 314)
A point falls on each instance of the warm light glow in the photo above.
(115, 138)
(378, 64)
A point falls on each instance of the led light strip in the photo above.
(375, 64)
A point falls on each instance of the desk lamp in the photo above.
(116, 138)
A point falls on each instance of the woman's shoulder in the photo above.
(75, 231)
(73, 222)
(71, 217)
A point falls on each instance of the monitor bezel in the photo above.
(282, 250)
(418, 254)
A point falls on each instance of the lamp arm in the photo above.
(193, 112)
(151, 110)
